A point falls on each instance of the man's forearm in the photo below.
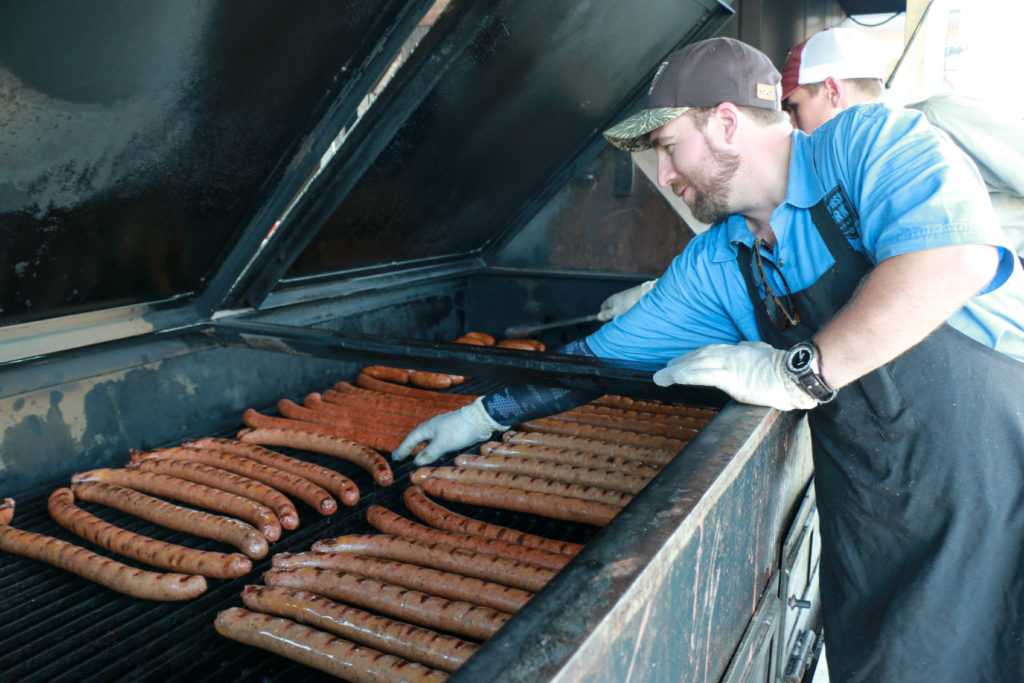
(898, 304)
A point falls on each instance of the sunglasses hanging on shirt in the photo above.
(781, 310)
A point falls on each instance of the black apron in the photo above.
(919, 473)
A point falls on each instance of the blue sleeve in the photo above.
(515, 403)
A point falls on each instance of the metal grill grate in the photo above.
(55, 626)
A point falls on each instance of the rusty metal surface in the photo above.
(666, 591)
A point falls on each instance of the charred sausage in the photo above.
(339, 447)
(518, 500)
(439, 556)
(388, 522)
(424, 579)
(136, 583)
(224, 480)
(335, 656)
(380, 442)
(387, 374)
(487, 339)
(374, 401)
(259, 515)
(454, 616)
(568, 456)
(286, 482)
(655, 406)
(523, 482)
(376, 385)
(414, 643)
(619, 436)
(331, 481)
(142, 548)
(235, 532)
(440, 517)
(610, 480)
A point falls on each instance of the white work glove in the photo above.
(452, 431)
(750, 372)
(620, 302)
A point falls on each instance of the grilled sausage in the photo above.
(683, 432)
(286, 482)
(487, 339)
(610, 480)
(430, 380)
(217, 527)
(257, 514)
(475, 341)
(593, 411)
(523, 482)
(430, 581)
(373, 401)
(655, 406)
(619, 436)
(567, 456)
(7, 511)
(430, 648)
(521, 344)
(331, 481)
(652, 456)
(394, 426)
(454, 616)
(335, 656)
(387, 374)
(442, 402)
(636, 433)
(440, 517)
(142, 548)
(388, 522)
(532, 502)
(386, 387)
(439, 556)
(223, 480)
(136, 583)
(380, 442)
(355, 412)
(339, 447)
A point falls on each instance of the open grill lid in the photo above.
(203, 156)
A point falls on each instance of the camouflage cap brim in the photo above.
(631, 134)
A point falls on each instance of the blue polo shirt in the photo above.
(909, 187)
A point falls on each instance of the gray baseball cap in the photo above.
(702, 74)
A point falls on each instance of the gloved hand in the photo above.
(750, 372)
(449, 432)
(620, 302)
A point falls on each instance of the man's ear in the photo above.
(728, 117)
(834, 90)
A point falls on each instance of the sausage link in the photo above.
(442, 402)
(363, 414)
(379, 403)
(221, 479)
(424, 579)
(593, 411)
(142, 548)
(386, 387)
(658, 407)
(335, 656)
(454, 616)
(388, 522)
(642, 426)
(398, 638)
(440, 517)
(439, 556)
(651, 456)
(377, 441)
(532, 502)
(609, 480)
(229, 530)
(257, 514)
(396, 424)
(475, 341)
(387, 374)
(567, 456)
(621, 436)
(331, 481)
(286, 482)
(7, 511)
(430, 380)
(487, 339)
(523, 482)
(136, 583)
(521, 344)
(339, 447)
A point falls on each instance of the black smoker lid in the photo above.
(153, 151)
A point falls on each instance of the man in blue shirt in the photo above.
(859, 274)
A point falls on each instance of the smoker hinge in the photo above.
(800, 657)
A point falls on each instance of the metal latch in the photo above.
(800, 657)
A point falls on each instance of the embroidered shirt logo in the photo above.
(842, 211)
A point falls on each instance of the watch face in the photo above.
(800, 359)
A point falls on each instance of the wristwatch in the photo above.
(803, 365)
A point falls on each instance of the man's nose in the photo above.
(666, 171)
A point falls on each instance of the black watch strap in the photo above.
(803, 364)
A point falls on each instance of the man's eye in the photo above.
(669, 148)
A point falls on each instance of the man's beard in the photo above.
(709, 203)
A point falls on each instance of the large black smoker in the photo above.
(209, 206)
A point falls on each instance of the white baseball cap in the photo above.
(835, 52)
